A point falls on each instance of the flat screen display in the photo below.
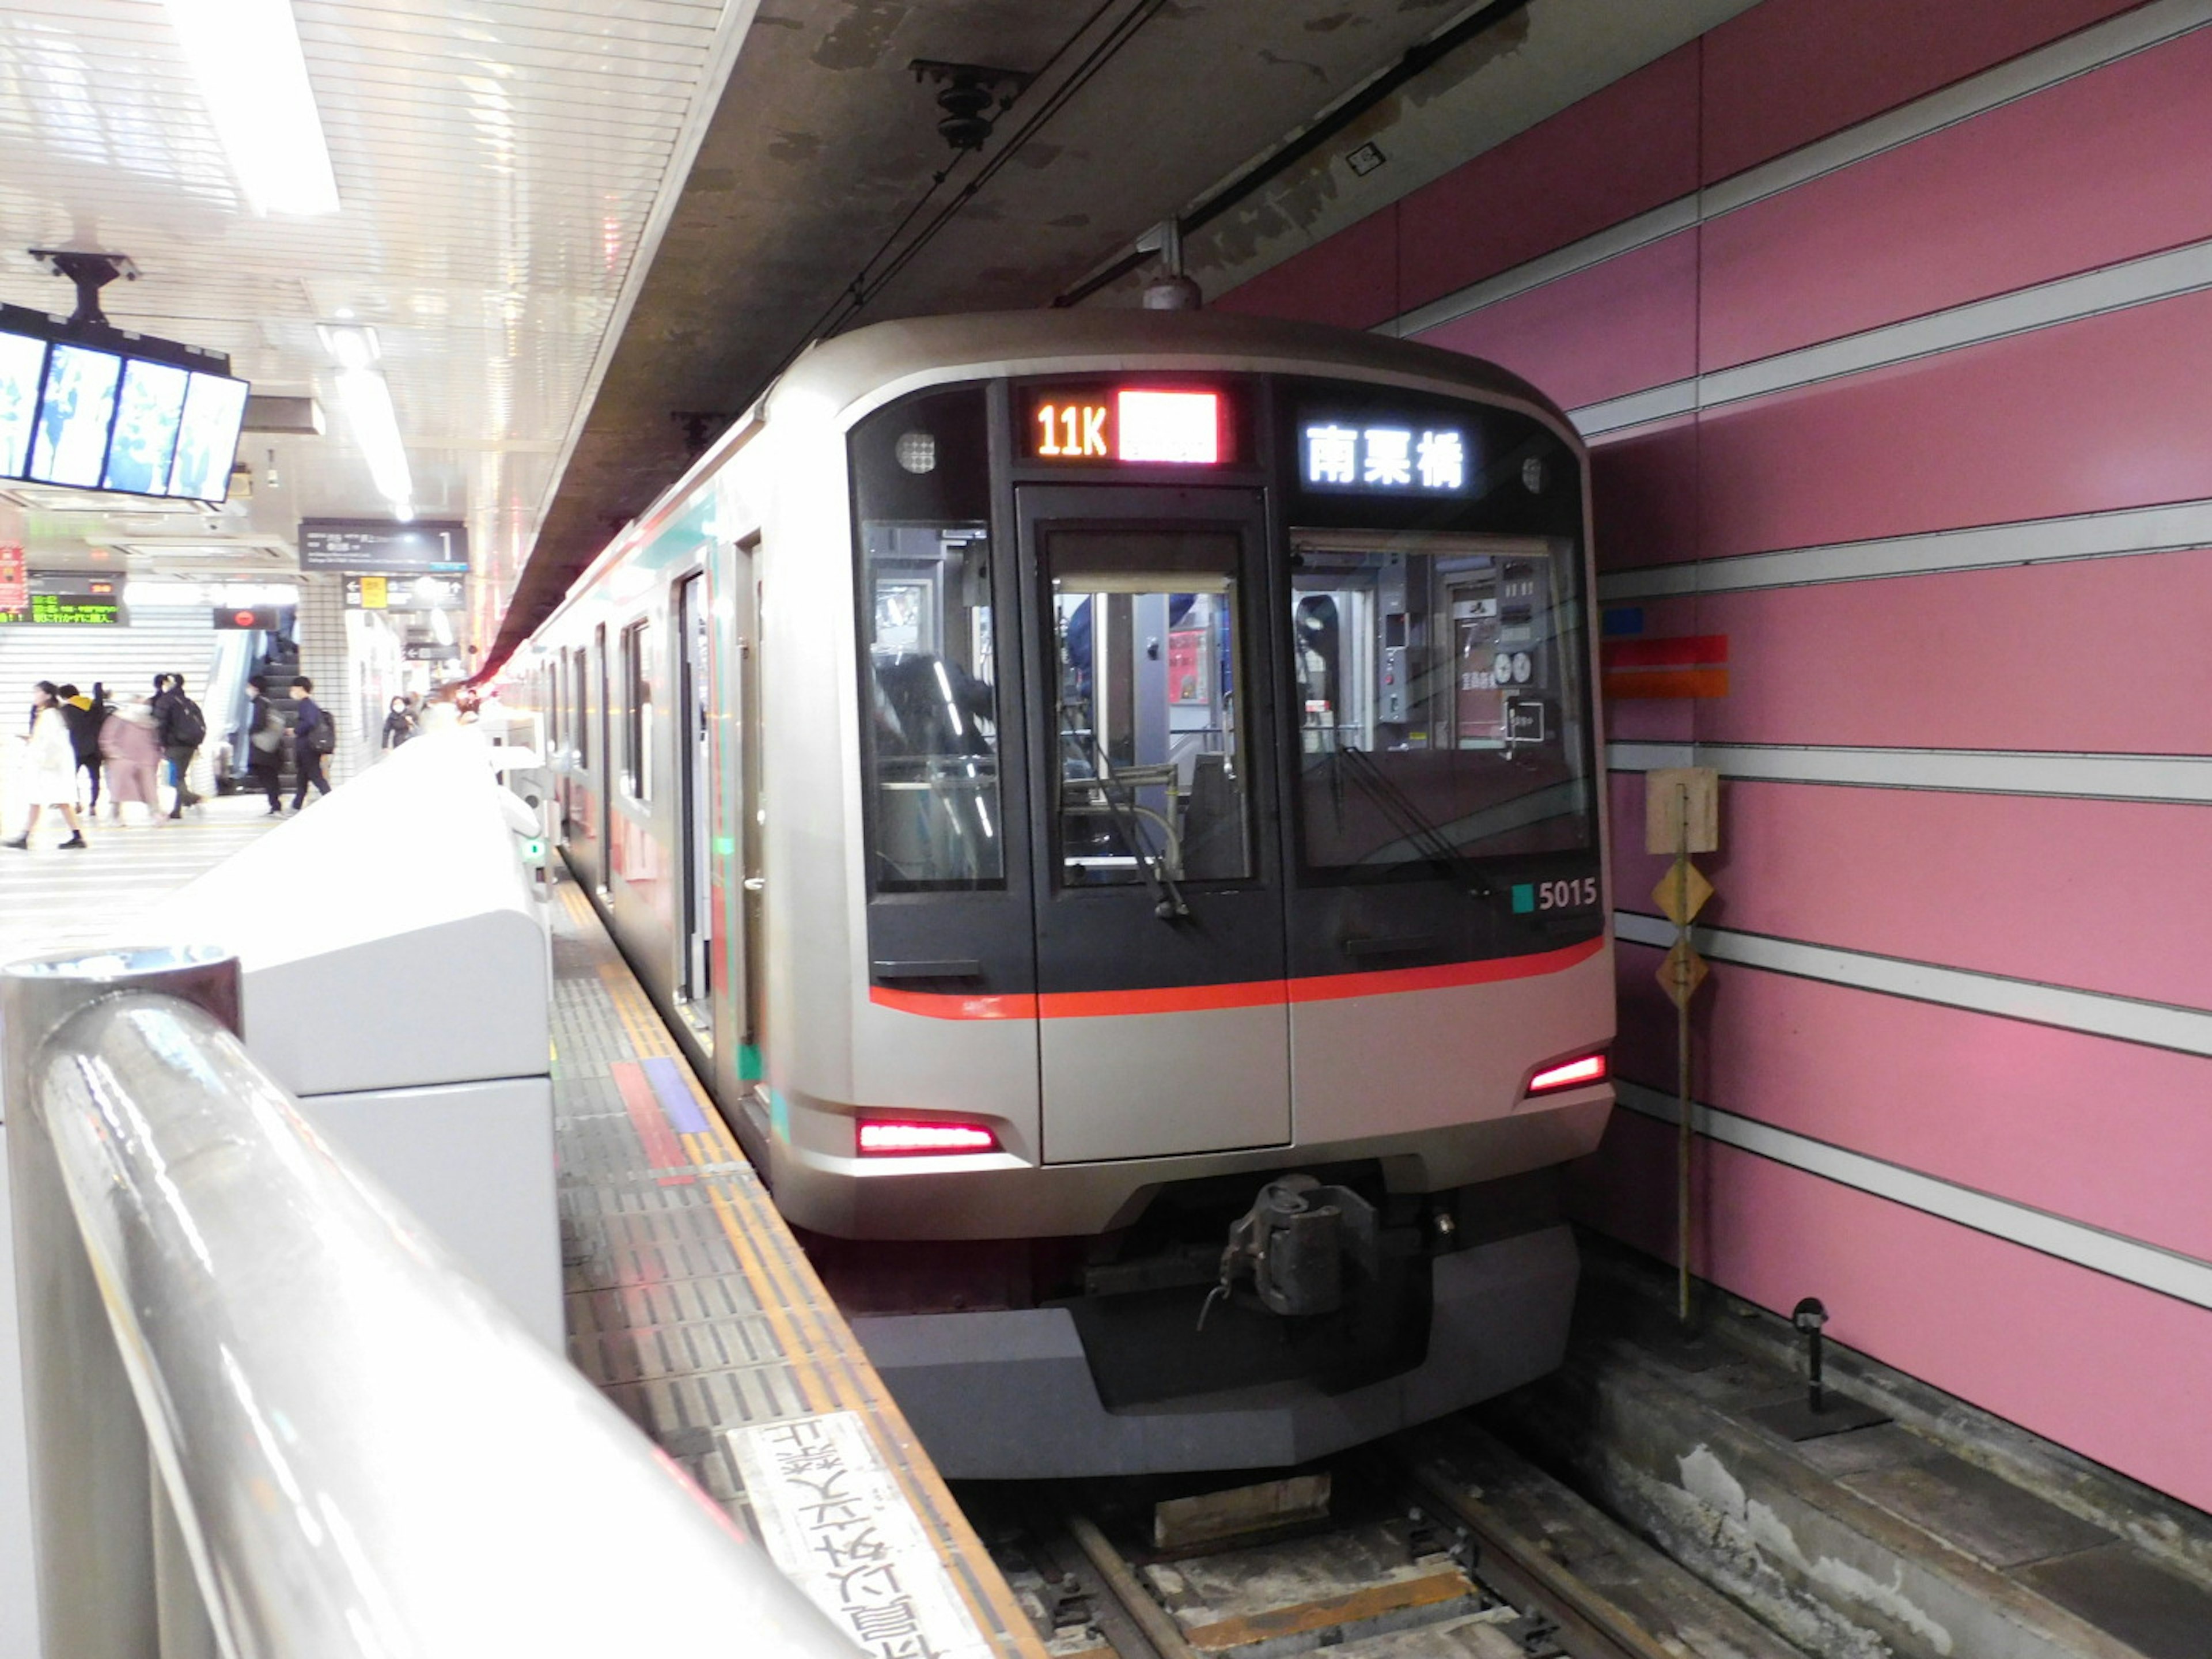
(75, 412)
(207, 442)
(22, 366)
(146, 419)
(92, 419)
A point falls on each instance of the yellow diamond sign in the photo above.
(1682, 972)
(1681, 892)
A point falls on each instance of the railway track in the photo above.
(1441, 1544)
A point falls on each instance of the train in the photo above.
(1110, 804)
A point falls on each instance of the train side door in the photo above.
(1164, 1019)
(603, 716)
(694, 730)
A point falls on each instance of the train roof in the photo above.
(877, 362)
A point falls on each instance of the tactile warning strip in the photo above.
(688, 1303)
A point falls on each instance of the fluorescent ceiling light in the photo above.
(246, 56)
(368, 398)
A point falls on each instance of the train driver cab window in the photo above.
(1151, 778)
(929, 701)
(1443, 711)
(637, 712)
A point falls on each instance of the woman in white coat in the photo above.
(50, 768)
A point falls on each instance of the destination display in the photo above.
(1170, 426)
(1378, 456)
(67, 610)
(383, 547)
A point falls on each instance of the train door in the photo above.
(1164, 1020)
(603, 715)
(695, 786)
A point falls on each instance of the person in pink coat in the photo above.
(130, 743)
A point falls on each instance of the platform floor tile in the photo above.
(688, 1303)
(52, 900)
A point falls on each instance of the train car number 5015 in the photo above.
(1569, 895)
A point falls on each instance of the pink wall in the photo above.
(2107, 655)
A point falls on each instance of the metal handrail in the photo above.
(339, 1445)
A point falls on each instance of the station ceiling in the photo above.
(588, 231)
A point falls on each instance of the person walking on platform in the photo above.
(182, 728)
(50, 769)
(85, 716)
(399, 725)
(313, 736)
(131, 743)
(264, 745)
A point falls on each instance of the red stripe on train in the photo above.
(1248, 993)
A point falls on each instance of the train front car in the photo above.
(1186, 895)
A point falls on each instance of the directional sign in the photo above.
(383, 545)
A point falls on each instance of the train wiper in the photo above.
(1410, 821)
(1121, 800)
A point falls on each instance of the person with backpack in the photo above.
(313, 736)
(50, 768)
(264, 745)
(182, 729)
(84, 716)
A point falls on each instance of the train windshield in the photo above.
(929, 653)
(1443, 713)
(1151, 779)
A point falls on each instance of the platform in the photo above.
(689, 1304)
(52, 900)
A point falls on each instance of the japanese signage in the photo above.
(70, 610)
(1134, 425)
(1382, 457)
(69, 598)
(833, 1518)
(383, 546)
(390, 593)
(15, 585)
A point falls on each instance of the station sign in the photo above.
(429, 651)
(1373, 455)
(383, 546)
(15, 583)
(389, 592)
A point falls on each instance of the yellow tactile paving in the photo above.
(650, 1242)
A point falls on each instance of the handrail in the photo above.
(363, 1454)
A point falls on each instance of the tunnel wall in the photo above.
(1891, 327)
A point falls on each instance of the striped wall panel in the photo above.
(125, 660)
(1892, 329)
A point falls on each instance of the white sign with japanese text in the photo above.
(834, 1519)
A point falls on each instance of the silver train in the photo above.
(1111, 801)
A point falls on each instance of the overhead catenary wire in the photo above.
(867, 284)
(1417, 61)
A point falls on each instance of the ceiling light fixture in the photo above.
(367, 399)
(254, 78)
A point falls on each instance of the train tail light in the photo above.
(1568, 1074)
(890, 1137)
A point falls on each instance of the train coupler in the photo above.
(1292, 1244)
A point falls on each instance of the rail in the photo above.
(268, 1416)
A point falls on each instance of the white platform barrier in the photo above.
(398, 979)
